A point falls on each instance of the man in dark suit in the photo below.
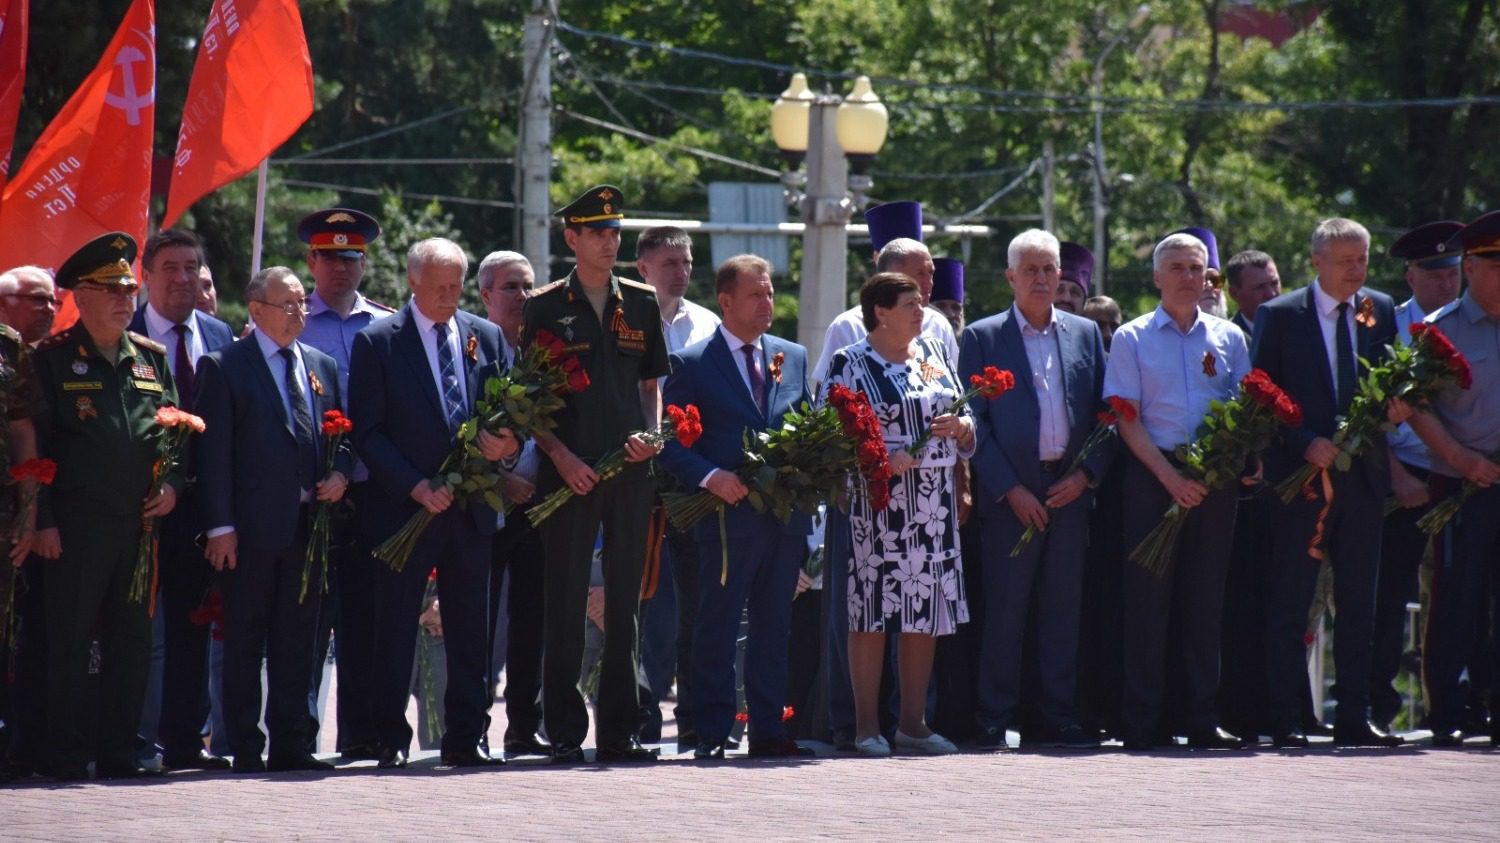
(169, 271)
(1027, 439)
(1253, 281)
(741, 378)
(1311, 342)
(434, 349)
(260, 480)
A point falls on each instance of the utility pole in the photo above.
(1049, 187)
(826, 210)
(534, 174)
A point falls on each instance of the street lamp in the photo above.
(1101, 210)
(835, 135)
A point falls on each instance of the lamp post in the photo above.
(1101, 209)
(839, 137)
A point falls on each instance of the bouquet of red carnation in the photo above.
(1415, 373)
(176, 426)
(524, 398)
(795, 468)
(1230, 435)
(860, 424)
(1109, 422)
(681, 423)
(336, 426)
(29, 474)
(991, 383)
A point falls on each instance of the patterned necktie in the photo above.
(1344, 357)
(183, 367)
(453, 396)
(757, 380)
(302, 426)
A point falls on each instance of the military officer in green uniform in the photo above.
(614, 327)
(17, 444)
(100, 388)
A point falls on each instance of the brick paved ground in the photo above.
(1413, 794)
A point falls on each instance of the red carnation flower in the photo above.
(1123, 409)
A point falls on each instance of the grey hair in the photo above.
(10, 279)
(1032, 240)
(255, 290)
(496, 261)
(1338, 228)
(438, 250)
(897, 251)
(1173, 242)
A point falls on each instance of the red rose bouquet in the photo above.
(1109, 422)
(1230, 435)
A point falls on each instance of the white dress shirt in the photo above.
(1328, 317)
(1045, 356)
(163, 330)
(428, 329)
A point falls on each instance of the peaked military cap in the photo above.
(104, 260)
(1427, 245)
(1480, 237)
(601, 206)
(343, 231)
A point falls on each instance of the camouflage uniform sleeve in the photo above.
(23, 393)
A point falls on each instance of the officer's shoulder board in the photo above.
(1443, 312)
(626, 282)
(54, 341)
(9, 333)
(549, 288)
(380, 306)
(146, 342)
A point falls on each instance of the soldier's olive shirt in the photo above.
(98, 421)
(619, 352)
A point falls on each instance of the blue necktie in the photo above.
(1344, 356)
(453, 395)
(302, 426)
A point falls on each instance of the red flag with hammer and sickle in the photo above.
(12, 75)
(252, 88)
(90, 172)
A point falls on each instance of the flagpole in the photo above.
(260, 214)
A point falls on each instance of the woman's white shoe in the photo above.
(875, 747)
(933, 744)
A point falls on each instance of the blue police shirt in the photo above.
(333, 334)
(1469, 414)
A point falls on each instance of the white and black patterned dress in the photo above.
(906, 574)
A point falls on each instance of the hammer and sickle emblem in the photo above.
(131, 100)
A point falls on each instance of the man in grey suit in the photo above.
(1027, 439)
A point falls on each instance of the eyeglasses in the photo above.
(123, 291)
(36, 298)
(291, 308)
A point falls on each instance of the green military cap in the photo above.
(104, 260)
(598, 207)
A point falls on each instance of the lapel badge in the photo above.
(80, 367)
(471, 349)
(776, 360)
(930, 372)
(567, 323)
(86, 409)
(1365, 317)
(312, 380)
(1210, 365)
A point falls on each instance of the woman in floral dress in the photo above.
(906, 577)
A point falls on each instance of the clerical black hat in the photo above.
(1210, 243)
(342, 231)
(1427, 245)
(947, 279)
(893, 220)
(598, 207)
(104, 260)
(1077, 264)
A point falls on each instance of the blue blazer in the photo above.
(400, 430)
(705, 374)
(1008, 427)
(247, 454)
(1288, 345)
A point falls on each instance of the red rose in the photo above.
(1123, 409)
(1288, 412)
(578, 381)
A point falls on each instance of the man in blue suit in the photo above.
(169, 270)
(444, 355)
(1312, 343)
(1027, 439)
(260, 480)
(741, 378)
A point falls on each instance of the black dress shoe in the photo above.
(1136, 741)
(392, 759)
(1071, 736)
(991, 739)
(132, 771)
(567, 753)
(246, 763)
(624, 752)
(1292, 739)
(470, 757)
(360, 752)
(687, 738)
(1363, 733)
(279, 763)
(1448, 738)
(1215, 738)
(200, 760)
(709, 752)
(526, 745)
(843, 740)
(786, 748)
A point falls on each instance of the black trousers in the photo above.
(1401, 548)
(1191, 589)
(1465, 581)
(461, 555)
(622, 506)
(262, 617)
(25, 676)
(682, 549)
(1242, 672)
(348, 611)
(185, 580)
(518, 549)
(1351, 543)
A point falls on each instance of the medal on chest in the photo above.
(140, 371)
(567, 324)
(86, 409)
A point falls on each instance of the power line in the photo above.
(403, 127)
(369, 191)
(692, 150)
(380, 162)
